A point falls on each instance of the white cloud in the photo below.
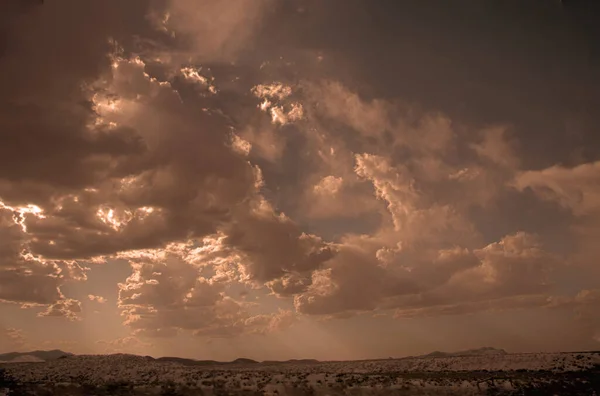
(98, 299)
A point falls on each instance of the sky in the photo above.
(279, 179)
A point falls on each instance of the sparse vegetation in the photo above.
(120, 375)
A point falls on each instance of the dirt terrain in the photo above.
(507, 374)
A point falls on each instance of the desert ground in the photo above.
(434, 374)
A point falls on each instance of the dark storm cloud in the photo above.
(100, 158)
(199, 140)
(492, 62)
(52, 52)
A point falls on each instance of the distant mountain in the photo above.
(187, 362)
(434, 354)
(244, 361)
(292, 361)
(193, 362)
(25, 359)
(39, 356)
(485, 351)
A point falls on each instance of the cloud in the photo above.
(98, 299)
(516, 265)
(290, 284)
(171, 291)
(337, 102)
(265, 324)
(415, 217)
(211, 30)
(265, 140)
(26, 278)
(420, 282)
(430, 159)
(380, 124)
(275, 103)
(328, 185)
(273, 245)
(182, 141)
(50, 148)
(495, 148)
(573, 188)
(576, 190)
(352, 282)
(67, 308)
(50, 108)
(333, 197)
(427, 254)
(144, 198)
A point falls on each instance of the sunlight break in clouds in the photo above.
(272, 95)
(20, 212)
(282, 174)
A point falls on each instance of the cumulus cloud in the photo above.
(416, 218)
(353, 282)
(441, 163)
(573, 188)
(137, 167)
(273, 245)
(183, 288)
(50, 145)
(170, 145)
(361, 278)
(516, 265)
(428, 255)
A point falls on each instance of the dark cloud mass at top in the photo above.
(410, 159)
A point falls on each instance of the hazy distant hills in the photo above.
(44, 356)
(485, 351)
(193, 362)
(236, 362)
(469, 352)
(35, 356)
(293, 361)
